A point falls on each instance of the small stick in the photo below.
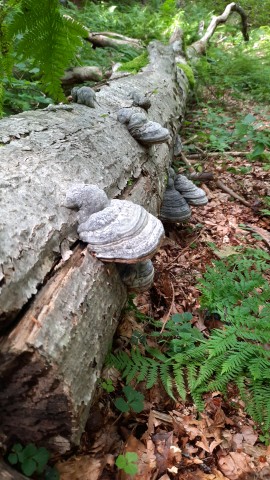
(219, 184)
(228, 190)
(218, 154)
(187, 162)
(190, 140)
(167, 316)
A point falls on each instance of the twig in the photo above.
(187, 162)
(219, 184)
(194, 240)
(190, 140)
(232, 193)
(217, 154)
(167, 316)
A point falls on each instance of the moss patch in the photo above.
(188, 72)
(136, 64)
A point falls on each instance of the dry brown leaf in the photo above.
(249, 435)
(237, 442)
(260, 231)
(235, 464)
(146, 462)
(78, 468)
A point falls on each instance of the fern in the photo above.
(39, 31)
(235, 354)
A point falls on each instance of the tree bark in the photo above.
(58, 314)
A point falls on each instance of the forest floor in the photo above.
(171, 439)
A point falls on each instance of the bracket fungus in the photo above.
(84, 95)
(193, 195)
(138, 277)
(117, 231)
(140, 100)
(174, 207)
(144, 131)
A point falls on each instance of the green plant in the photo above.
(128, 463)
(42, 33)
(107, 385)
(32, 459)
(134, 400)
(241, 67)
(188, 72)
(249, 130)
(136, 64)
(237, 290)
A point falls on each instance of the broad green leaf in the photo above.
(29, 466)
(121, 462)
(13, 458)
(121, 404)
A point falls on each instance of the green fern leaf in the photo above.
(179, 380)
(166, 379)
(152, 374)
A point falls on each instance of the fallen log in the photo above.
(58, 314)
(59, 305)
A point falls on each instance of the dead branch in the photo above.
(219, 184)
(233, 194)
(110, 39)
(82, 74)
(218, 154)
(199, 47)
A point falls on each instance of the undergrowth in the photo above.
(186, 362)
(242, 67)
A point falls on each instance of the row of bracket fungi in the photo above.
(118, 230)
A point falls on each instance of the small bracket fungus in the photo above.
(84, 95)
(140, 100)
(144, 131)
(192, 194)
(138, 277)
(116, 230)
(174, 207)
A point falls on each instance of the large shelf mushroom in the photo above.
(143, 130)
(117, 231)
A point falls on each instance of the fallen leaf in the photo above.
(85, 467)
(234, 464)
(249, 435)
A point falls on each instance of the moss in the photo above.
(188, 72)
(136, 64)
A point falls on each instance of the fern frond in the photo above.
(152, 374)
(222, 341)
(166, 378)
(179, 381)
(50, 38)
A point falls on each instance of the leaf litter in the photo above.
(171, 440)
